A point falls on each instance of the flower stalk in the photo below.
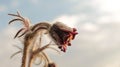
(60, 34)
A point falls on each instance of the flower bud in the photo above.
(62, 35)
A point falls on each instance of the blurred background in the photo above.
(97, 22)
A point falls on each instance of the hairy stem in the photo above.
(28, 44)
(39, 50)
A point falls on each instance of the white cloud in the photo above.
(108, 19)
(104, 19)
(109, 9)
(111, 6)
(7, 49)
(105, 11)
(89, 27)
(68, 20)
(99, 48)
(71, 20)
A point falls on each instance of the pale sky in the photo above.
(97, 22)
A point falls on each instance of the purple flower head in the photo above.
(62, 35)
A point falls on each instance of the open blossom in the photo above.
(62, 35)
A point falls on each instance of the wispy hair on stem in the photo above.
(59, 33)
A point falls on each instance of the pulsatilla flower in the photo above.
(62, 35)
(32, 36)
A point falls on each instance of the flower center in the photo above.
(67, 42)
